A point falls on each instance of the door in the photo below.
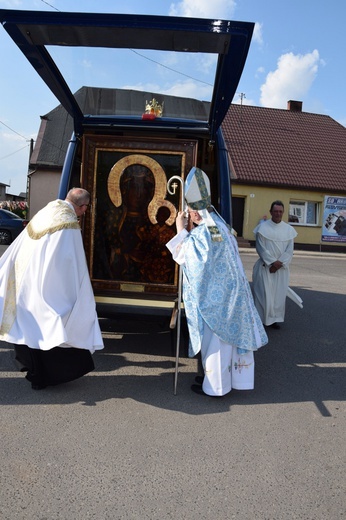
(238, 204)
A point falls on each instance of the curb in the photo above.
(300, 252)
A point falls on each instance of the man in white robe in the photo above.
(47, 305)
(274, 245)
(222, 320)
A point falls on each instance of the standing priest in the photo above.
(271, 272)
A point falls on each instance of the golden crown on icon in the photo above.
(153, 107)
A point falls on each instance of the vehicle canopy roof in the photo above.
(35, 31)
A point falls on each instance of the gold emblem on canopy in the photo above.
(154, 108)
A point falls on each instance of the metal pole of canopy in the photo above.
(177, 322)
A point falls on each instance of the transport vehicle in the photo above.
(10, 226)
(125, 156)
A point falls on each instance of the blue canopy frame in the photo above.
(33, 31)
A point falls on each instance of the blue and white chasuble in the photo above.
(215, 289)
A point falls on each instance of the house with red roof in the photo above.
(293, 156)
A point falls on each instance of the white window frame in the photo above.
(301, 209)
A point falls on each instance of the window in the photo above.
(303, 212)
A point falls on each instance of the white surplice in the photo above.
(46, 297)
(273, 242)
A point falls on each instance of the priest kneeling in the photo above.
(47, 305)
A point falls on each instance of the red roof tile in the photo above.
(285, 148)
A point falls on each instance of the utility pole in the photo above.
(31, 149)
(242, 96)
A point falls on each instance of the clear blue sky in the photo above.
(297, 52)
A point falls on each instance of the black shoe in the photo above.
(197, 389)
(275, 326)
(36, 383)
(199, 380)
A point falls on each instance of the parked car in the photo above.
(10, 226)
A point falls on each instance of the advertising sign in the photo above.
(334, 219)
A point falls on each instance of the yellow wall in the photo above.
(257, 203)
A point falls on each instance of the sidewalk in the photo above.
(297, 252)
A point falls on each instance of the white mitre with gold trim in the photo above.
(197, 196)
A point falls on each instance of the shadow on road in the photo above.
(304, 362)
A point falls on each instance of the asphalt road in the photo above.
(117, 444)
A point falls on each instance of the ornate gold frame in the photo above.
(105, 165)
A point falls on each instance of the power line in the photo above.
(9, 155)
(52, 6)
(169, 68)
(20, 135)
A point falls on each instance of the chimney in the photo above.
(294, 106)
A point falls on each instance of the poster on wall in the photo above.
(334, 219)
